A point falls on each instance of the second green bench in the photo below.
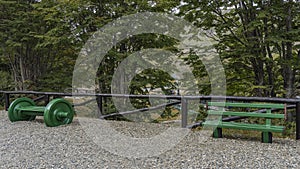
(266, 128)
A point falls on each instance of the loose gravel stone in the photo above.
(33, 145)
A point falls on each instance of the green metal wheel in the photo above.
(15, 115)
(58, 112)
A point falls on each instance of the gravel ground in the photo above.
(32, 145)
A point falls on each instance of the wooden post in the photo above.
(7, 103)
(99, 103)
(184, 112)
(47, 99)
(298, 120)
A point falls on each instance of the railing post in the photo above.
(47, 99)
(298, 120)
(184, 113)
(99, 103)
(7, 103)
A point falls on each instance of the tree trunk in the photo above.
(258, 69)
(22, 73)
(288, 72)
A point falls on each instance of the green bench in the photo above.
(266, 128)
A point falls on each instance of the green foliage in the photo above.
(258, 42)
(35, 41)
(40, 40)
(143, 82)
(6, 81)
(151, 79)
(255, 40)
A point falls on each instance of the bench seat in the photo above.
(246, 114)
(245, 126)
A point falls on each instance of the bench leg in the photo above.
(217, 133)
(266, 137)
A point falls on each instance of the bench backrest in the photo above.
(268, 106)
(248, 105)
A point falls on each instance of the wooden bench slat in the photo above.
(247, 105)
(244, 126)
(246, 114)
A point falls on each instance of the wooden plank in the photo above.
(244, 126)
(247, 105)
(246, 114)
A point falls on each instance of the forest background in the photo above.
(258, 42)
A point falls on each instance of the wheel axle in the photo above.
(57, 112)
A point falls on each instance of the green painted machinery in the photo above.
(57, 112)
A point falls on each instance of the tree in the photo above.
(256, 41)
(40, 41)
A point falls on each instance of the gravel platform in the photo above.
(33, 145)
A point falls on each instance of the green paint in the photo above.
(266, 128)
(57, 112)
